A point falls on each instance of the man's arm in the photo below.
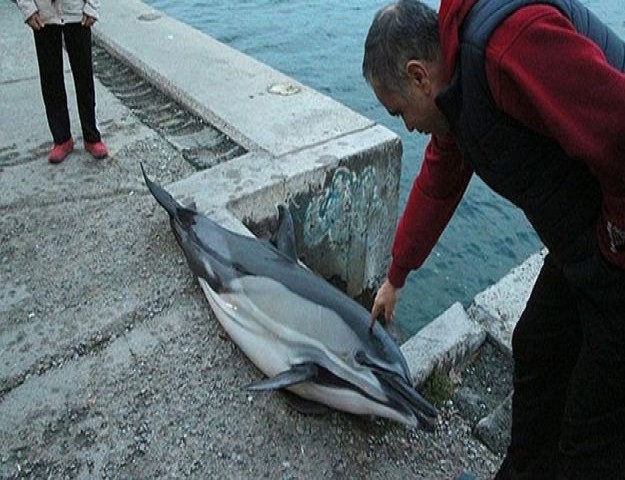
(435, 194)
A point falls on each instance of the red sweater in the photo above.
(555, 81)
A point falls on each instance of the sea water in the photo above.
(320, 43)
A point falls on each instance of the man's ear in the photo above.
(418, 74)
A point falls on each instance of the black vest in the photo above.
(559, 195)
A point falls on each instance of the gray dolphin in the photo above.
(304, 334)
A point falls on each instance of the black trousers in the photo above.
(48, 42)
(568, 414)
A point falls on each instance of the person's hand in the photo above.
(34, 21)
(384, 303)
(87, 20)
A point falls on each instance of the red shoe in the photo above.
(60, 151)
(97, 149)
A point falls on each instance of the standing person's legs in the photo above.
(593, 434)
(78, 44)
(50, 59)
(545, 344)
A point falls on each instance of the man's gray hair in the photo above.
(402, 31)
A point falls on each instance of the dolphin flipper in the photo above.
(297, 374)
(284, 236)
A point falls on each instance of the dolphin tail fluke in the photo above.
(165, 200)
(297, 374)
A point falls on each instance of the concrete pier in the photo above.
(338, 171)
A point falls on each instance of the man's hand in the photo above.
(34, 21)
(384, 303)
(87, 21)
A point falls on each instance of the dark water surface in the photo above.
(320, 43)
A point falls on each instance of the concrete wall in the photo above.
(338, 171)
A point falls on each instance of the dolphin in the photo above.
(305, 335)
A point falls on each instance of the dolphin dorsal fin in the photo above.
(296, 374)
(284, 236)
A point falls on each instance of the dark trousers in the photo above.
(568, 408)
(48, 42)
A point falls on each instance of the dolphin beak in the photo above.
(406, 395)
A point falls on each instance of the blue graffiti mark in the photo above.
(343, 209)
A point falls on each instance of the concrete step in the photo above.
(483, 395)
